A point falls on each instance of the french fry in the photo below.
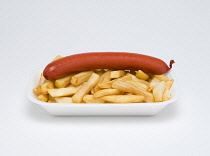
(86, 88)
(63, 100)
(97, 70)
(166, 95)
(159, 90)
(63, 91)
(100, 73)
(125, 87)
(81, 77)
(37, 90)
(51, 101)
(105, 85)
(123, 98)
(142, 75)
(134, 78)
(138, 85)
(103, 79)
(105, 92)
(57, 57)
(90, 99)
(41, 80)
(169, 84)
(124, 78)
(117, 74)
(43, 97)
(63, 82)
(153, 82)
(161, 77)
(47, 85)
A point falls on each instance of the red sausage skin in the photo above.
(105, 60)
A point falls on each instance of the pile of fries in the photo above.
(105, 86)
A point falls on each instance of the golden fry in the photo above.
(123, 98)
(159, 90)
(166, 95)
(47, 85)
(90, 99)
(63, 82)
(63, 91)
(161, 77)
(105, 85)
(105, 92)
(117, 74)
(97, 70)
(51, 101)
(142, 75)
(169, 84)
(63, 100)
(153, 82)
(41, 80)
(103, 79)
(125, 87)
(81, 77)
(43, 97)
(86, 88)
(138, 85)
(57, 57)
(37, 90)
(134, 78)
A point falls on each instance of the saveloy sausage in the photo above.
(105, 60)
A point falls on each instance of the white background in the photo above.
(34, 32)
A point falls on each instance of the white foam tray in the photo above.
(97, 109)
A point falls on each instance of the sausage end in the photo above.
(171, 63)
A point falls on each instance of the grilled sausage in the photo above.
(105, 60)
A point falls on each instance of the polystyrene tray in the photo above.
(97, 109)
